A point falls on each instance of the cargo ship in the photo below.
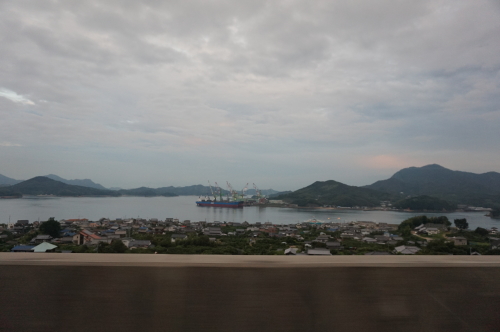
(233, 200)
(225, 204)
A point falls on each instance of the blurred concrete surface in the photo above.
(112, 292)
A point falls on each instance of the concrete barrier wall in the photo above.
(58, 292)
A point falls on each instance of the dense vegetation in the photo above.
(461, 224)
(335, 194)
(425, 202)
(50, 227)
(9, 192)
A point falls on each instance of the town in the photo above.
(417, 235)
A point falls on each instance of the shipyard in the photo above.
(232, 198)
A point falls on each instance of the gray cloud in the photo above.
(284, 92)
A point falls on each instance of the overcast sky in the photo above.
(280, 93)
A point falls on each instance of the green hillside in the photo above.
(336, 194)
(436, 181)
(8, 192)
(425, 203)
(41, 185)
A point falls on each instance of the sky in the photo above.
(277, 93)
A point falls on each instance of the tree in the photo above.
(461, 223)
(481, 231)
(117, 246)
(51, 227)
(406, 231)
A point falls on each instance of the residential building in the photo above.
(460, 241)
(44, 247)
(22, 248)
(334, 245)
(139, 244)
(85, 236)
(41, 238)
(318, 252)
(406, 250)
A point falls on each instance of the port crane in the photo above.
(231, 190)
(212, 190)
(257, 191)
(218, 191)
(234, 193)
(244, 190)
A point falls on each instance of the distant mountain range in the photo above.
(431, 186)
(6, 181)
(145, 191)
(42, 185)
(195, 190)
(84, 183)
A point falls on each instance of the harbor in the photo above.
(184, 208)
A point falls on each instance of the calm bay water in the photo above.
(184, 207)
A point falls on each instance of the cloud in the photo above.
(337, 81)
(14, 97)
(9, 144)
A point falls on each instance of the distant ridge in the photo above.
(438, 181)
(8, 189)
(194, 190)
(42, 185)
(83, 182)
(145, 191)
(6, 181)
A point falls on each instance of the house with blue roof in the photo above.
(22, 248)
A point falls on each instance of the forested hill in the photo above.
(335, 194)
(425, 202)
(41, 185)
(437, 181)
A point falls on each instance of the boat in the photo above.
(216, 203)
